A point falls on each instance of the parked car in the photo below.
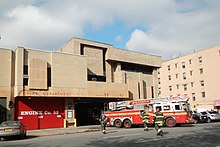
(212, 115)
(199, 117)
(12, 129)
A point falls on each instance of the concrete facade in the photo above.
(195, 75)
(6, 82)
(81, 69)
(118, 67)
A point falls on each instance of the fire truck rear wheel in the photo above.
(118, 123)
(170, 122)
(127, 123)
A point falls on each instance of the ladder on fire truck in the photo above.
(120, 105)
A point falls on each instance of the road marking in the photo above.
(108, 137)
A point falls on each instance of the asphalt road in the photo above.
(201, 135)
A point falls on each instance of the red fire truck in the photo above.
(176, 110)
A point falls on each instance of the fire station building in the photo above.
(70, 86)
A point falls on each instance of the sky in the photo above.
(168, 28)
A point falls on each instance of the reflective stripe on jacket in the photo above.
(145, 117)
(159, 118)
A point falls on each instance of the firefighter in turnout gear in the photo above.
(103, 122)
(145, 117)
(158, 121)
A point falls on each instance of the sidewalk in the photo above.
(62, 131)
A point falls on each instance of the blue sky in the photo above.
(116, 34)
(166, 28)
(108, 34)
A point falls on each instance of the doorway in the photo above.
(88, 111)
(3, 109)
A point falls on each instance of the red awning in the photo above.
(217, 103)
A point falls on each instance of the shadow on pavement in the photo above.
(17, 138)
(208, 137)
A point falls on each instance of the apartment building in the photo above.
(70, 86)
(195, 75)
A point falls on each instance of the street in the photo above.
(206, 134)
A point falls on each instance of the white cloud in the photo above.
(48, 24)
(168, 28)
(179, 33)
(146, 42)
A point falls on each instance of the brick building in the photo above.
(195, 75)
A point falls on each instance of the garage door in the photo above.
(40, 113)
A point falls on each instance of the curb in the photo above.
(61, 133)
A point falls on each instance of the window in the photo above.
(25, 75)
(158, 107)
(183, 65)
(49, 77)
(169, 77)
(158, 80)
(166, 107)
(135, 68)
(176, 65)
(96, 78)
(170, 88)
(184, 75)
(177, 107)
(177, 86)
(202, 83)
(192, 84)
(185, 87)
(168, 67)
(191, 73)
(176, 76)
(158, 71)
(203, 94)
(201, 70)
(200, 59)
(81, 49)
(190, 61)
(25, 70)
(159, 90)
(193, 97)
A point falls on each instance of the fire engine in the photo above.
(176, 110)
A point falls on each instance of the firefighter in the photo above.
(103, 122)
(158, 121)
(145, 117)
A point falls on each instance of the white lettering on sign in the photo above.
(38, 112)
(47, 93)
(55, 112)
(47, 112)
(20, 117)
